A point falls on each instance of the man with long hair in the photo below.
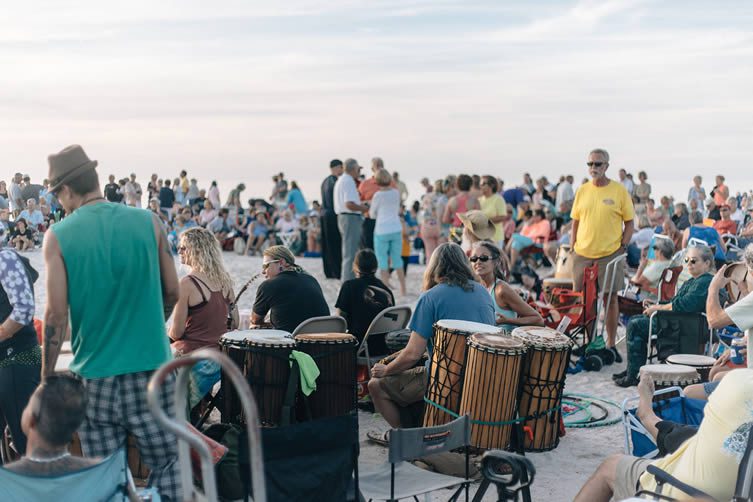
(450, 292)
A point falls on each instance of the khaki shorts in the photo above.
(407, 387)
(580, 263)
(629, 471)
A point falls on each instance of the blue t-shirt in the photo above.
(295, 197)
(451, 302)
(513, 196)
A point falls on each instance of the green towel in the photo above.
(308, 369)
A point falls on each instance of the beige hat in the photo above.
(478, 224)
(70, 163)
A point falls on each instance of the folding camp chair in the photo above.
(323, 324)
(610, 279)
(691, 341)
(188, 440)
(511, 473)
(743, 487)
(388, 320)
(398, 478)
(109, 481)
(679, 409)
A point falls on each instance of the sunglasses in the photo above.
(595, 164)
(692, 261)
(482, 259)
(265, 265)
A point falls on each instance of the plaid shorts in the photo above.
(118, 407)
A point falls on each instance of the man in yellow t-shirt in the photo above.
(708, 461)
(602, 216)
(493, 206)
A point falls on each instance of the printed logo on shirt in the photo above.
(608, 202)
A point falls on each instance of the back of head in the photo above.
(383, 178)
(351, 166)
(365, 263)
(464, 182)
(62, 408)
(448, 265)
(665, 247)
(696, 217)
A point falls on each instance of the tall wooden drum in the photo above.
(563, 267)
(335, 355)
(490, 387)
(447, 367)
(547, 356)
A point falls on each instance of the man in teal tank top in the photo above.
(110, 268)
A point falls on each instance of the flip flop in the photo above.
(380, 438)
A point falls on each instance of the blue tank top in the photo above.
(510, 314)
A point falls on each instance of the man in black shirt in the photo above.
(111, 190)
(331, 244)
(291, 295)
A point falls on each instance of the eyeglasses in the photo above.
(266, 264)
(595, 164)
(692, 261)
(482, 259)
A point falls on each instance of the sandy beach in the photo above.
(559, 473)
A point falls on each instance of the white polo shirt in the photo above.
(345, 191)
(741, 313)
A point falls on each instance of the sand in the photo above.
(559, 473)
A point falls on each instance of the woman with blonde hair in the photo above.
(200, 315)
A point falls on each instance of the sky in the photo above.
(238, 90)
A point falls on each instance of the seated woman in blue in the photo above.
(697, 230)
(510, 309)
(450, 292)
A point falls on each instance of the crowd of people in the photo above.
(478, 239)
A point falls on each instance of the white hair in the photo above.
(600, 151)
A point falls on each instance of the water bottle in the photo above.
(736, 356)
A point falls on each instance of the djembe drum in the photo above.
(702, 364)
(547, 356)
(563, 267)
(670, 375)
(447, 367)
(738, 273)
(490, 387)
(335, 355)
(263, 356)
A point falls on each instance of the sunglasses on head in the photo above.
(482, 259)
(595, 164)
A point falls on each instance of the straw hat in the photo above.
(478, 224)
(68, 164)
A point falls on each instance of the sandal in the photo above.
(380, 438)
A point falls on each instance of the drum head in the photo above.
(538, 336)
(670, 372)
(557, 282)
(500, 343)
(691, 360)
(325, 337)
(467, 326)
(738, 272)
(258, 337)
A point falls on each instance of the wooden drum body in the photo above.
(542, 383)
(263, 355)
(563, 267)
(447, 367)
(490, 387)
(335, 355)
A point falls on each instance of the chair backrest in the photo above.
(389, 319)
(590, 292)
(103, 481)
(409, 444)
(323, 324)
(668, 283)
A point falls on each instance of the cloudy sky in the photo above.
(238, 89)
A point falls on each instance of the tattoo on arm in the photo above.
(53, 336)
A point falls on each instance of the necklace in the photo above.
(48, 459)
(99, 197)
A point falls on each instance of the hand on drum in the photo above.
(721, 279)
(722, 359)
(502, 319)
(379, 370)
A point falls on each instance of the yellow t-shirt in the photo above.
(600, 212)
(495, 206)
(710, 459)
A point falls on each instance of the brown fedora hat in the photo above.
(478, 224)
(68, 164)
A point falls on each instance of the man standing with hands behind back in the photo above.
(602, 216)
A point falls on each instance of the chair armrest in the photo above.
(663, 477)
(510, 472)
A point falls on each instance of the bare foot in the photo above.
(646, 396)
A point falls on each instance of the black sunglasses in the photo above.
(595, 164)
(692, 261)
(482, 259)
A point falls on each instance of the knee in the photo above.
(375, 388)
